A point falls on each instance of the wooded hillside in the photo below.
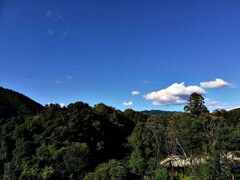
(100, 142)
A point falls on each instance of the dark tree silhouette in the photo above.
(195, 105)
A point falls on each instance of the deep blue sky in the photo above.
(96, 51)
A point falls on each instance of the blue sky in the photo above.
(96, 51)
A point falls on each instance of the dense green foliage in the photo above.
(13, 104)
(100, 142)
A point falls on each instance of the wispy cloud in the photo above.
(128, 103)
(175, 94)
(65, 33)
(134, 93)
(50, 31)
(58, 82)
(69, 77)
(53, 15)
(148, 82)
(217, 83)
(216, 104)
(55, 19)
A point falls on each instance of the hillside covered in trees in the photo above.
(100, 142)
(160, 112)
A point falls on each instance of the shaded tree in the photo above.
(112, 170)
(195, 105)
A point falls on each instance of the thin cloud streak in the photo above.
(53, 15)
(148, 82)
(69, 77)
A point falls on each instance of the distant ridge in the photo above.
(160, 112)
(13, 103)
(235, 110)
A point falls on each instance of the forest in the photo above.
(102, 143)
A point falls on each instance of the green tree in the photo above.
(195, 105)
(161, 174)
(148, 141)
(112, 170)
(156, 135)
(76, 160)
(191, 136)
(137, 163)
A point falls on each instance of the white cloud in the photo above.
(134, 93)
(62, 105)
(217, 83)
(127, 103)
(173, 95)
(58, 82)
(53, 15)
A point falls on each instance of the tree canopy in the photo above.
(100, 142)
(195, 105)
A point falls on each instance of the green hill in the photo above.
(159, 112)
(237, 110)
(13, 103)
